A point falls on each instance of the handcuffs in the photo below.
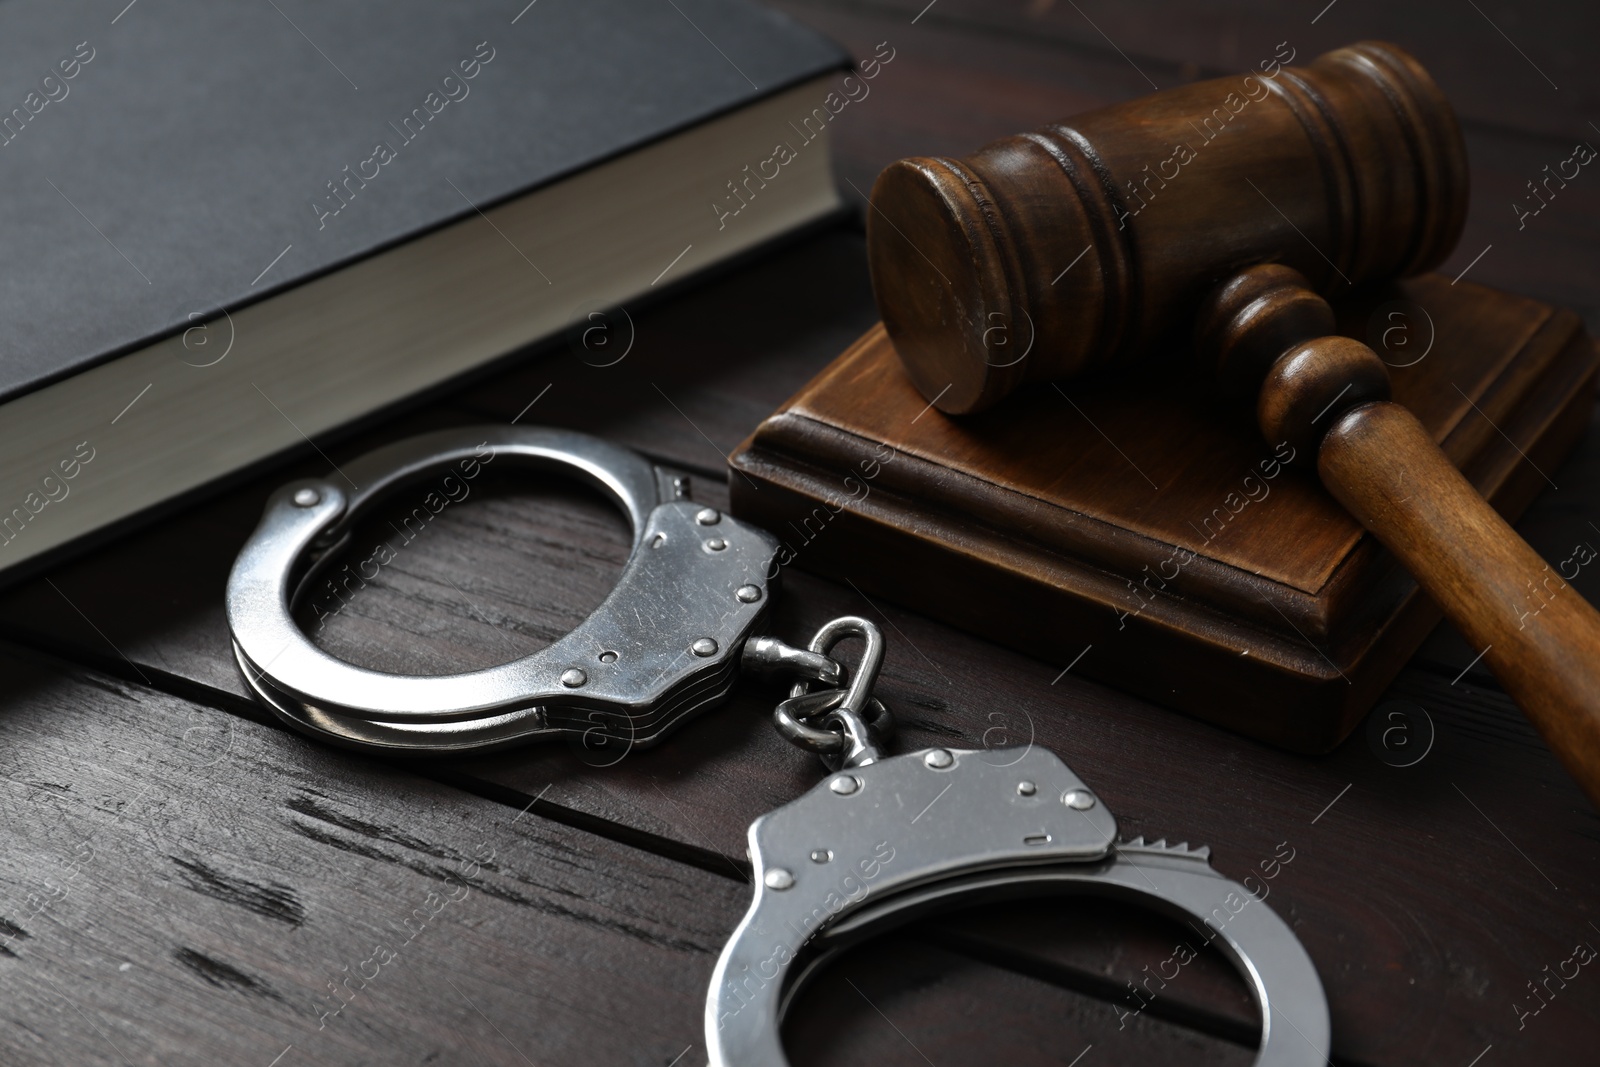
(666, 643)
(856, 855)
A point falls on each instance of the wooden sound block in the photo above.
(1138, 530)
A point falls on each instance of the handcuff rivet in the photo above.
(779, 879)
(704, 647)
(749, 594)
(304, 498)
(1078, 799)
(938, 759)
(708, 517)
(1026, 789)
(716, 544)
(821, 855)
(573, 677)
(845, 784)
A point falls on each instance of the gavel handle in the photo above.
(1541, 639)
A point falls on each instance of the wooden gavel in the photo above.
(1225, 207)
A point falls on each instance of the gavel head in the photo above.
(1090, 242)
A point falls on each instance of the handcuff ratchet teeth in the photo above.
(666, 642)
(883, 840)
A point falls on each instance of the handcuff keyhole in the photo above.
(608, 656)
(1036, 839)
(821, 855)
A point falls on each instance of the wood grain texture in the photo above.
(1209, 570)
(901, 1001)
(1444, 899)
(1329, 395)
(183, 886)
(1059, 940)
(1089, 242)
(1485, 75)
(1561, 527)
(1431, 921)
(485, 584)
(1539, 637)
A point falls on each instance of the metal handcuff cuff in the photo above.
(665, 644)
(845, 861)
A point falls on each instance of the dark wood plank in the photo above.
(1551, 255)
(181, 643)
(1419, 889)
(706, 367)
(283, 860)
(1425, 919)
(1102, 948)
(183, 886)
(1522, 69)
(1444, 899)
(901, 1001)
(486, 617)
(946, 90)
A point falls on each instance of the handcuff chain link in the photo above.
(853, 721)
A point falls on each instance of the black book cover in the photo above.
(173, 157)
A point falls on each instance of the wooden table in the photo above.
(185, 881)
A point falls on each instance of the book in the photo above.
(231, 229)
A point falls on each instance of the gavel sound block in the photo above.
(1180, 555)
(1135, 524)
